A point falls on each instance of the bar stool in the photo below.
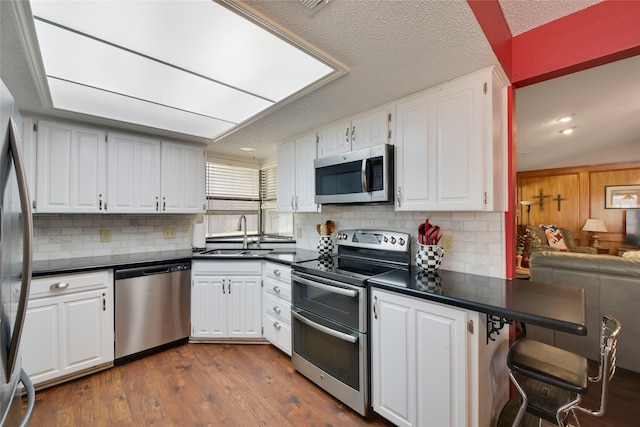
(551, 381)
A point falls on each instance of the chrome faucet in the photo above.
(245, 242)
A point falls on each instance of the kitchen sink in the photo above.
(237, 252)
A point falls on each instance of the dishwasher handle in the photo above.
(152, 270)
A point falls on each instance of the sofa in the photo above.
(612, 286)
(539, 241)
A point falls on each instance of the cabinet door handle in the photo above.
(291, 202)
(59, 286)
(104, 302)
(276, 272)
(276, 289)
(223, 291)
(157, 204)
(296, 203)
(100, 201)
(277, 325)
(399, 197)
(346, 136)
(353, 134)
(164, 204)
(375, 307)
(229, 286)
(277, 309)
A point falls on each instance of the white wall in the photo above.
(71, 236)
(478, 237)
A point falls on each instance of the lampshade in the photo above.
(526, 202)
(594, 225)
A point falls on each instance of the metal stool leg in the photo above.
(523, 396)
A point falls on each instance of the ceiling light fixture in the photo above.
(565, 119)
(567, 131)
(247, 149)
(216, 68)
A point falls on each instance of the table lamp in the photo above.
(528, 204)
(594, 226)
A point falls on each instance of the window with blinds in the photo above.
(274, 223)
(233, 191)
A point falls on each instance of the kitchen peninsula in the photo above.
(439, 341)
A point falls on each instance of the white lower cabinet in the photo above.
(226, 300)
(431, 364)
(276, 304)
(68, 329)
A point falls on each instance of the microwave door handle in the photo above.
(14, 148)
(364, 176)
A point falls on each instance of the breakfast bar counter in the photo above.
(556, 307)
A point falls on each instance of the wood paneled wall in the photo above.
(583, 191)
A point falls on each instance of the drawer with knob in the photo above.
(277, 307)
(278, 272)
(69, 283)
(278, 333)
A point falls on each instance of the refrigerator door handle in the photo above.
(21, 312)
(31, 398)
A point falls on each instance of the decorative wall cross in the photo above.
(559, 200)
(541, 196)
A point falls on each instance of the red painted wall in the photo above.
(603, 33)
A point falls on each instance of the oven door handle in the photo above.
(342, 291)
(324, 329)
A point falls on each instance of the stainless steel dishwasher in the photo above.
(152, 308)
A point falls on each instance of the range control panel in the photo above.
(374, 239)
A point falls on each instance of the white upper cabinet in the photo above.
(334, 139)
(134, 171)
(371, 129)
(415, 152)
(71, 168)
(296, 175)
(451, 146)
(365, 130)
(183, 178)
(85, 170)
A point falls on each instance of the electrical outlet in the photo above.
(105, 235)
(447, 243)
(299, 232)
(169, 232)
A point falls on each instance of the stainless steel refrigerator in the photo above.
(16, 230)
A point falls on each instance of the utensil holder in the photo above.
(429, 257)
(325, 246)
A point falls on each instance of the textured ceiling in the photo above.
(392, 49)
(523, 16)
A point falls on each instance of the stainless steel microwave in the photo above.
(359, 176)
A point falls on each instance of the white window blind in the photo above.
(232, 182)
(269, 184)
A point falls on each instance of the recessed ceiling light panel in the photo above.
(210, 59)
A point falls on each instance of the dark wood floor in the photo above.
(196, 385)
(234, 385)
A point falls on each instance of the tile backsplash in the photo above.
(58, 236)
(478, 237)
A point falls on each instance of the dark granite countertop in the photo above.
(555, 307)
(75, 265)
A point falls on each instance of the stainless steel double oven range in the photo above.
(330, 311)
